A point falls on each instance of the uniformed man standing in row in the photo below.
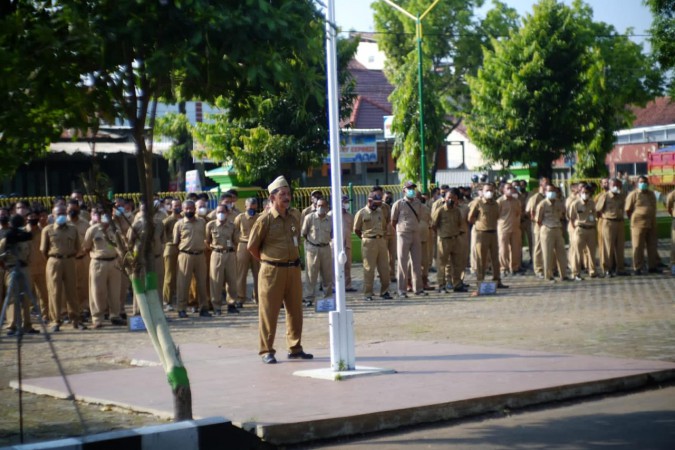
(222, 238)
(82, 259)
(244, 223)
(274, 241)
(610, 207)
(508, 231)
(405, 218)
(583, 221)
(370, 226)
(347, 226)
(189, 235)
(484, 214)
(38, 262)
(170, 255)
(641, 209)
(446, 221)
(531, 209)
(317, 230)
(550, 214)
(60, 244)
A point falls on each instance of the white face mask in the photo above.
(488, 194)
(615, 189)
(514, 194)
(584, 196)
(201, 211)
(220, 216)
(105, 218)
(551, 195)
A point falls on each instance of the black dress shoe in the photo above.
(351, 289)
(205, 313)
(231, 309)
(460, 289)
(300, 355)
(501, 285)
(269, 358)
(386, 296)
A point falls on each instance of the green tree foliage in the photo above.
(663, 35)
(175, 126)
(561, 82)
(283, 132)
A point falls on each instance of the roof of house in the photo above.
(660, 111)
(372, 103)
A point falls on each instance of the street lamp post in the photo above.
(418, 31)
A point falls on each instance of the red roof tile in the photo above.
(660, 111)
(373, 90)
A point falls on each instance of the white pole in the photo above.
(341, 326)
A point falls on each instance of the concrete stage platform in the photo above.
(434, 381)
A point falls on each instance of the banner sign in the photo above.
(357, 148)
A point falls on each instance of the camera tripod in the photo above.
(18, 290)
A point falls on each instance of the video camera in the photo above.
(15, 233)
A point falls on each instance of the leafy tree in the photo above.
(176, 126)
(663, 35)
(282, 132)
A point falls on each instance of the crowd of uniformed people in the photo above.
(203, 257)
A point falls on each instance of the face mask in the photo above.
(250, 212)
(389, 201)
(374, 206)
(120, 210)
(584, 197)
(127, 214)
(189, 214)
(488, 194)
(61, 220)
(410, 193)
(229, 206)
(202, 211)
(221, 216)
(550, 195)
(73, 214)
(177, 210)
(345, 205)
(105, 218)
(32, 222)
(514, 195)
(450, 203)
(615, 189)
(642, 186)
(322, 211)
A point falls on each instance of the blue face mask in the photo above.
(250, 212)
(410, 193)
(61, 220)
(642, 186)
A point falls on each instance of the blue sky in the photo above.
(356, 14)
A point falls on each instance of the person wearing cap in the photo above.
(222, 237)
(244, 223)
(484, 214)
(347, 226)
(641, 209)
(317, 231)
(370, 225)
(405, 218)
(274, 241)
(189, 235)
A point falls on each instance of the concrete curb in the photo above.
(304, 432)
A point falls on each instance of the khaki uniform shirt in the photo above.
(137, 231)
(244, 224)
(371, 224)
(347, 226)
(305, 212)
(407, 221)
(386, 212)
(190, 235)
(276, 236)
(38, 262)
(447, 221)
(510, 210)
(100, 242)
(533, 202)
(170, 248)
(317, 230)
(569, 201)
(60, 240)
(222, 235)
(550, 213)
(81, 225)
(610, 205)
(583, 214)
(485, 213)
(425, 222)
(464, 211)
(641, 207)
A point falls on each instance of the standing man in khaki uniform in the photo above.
(170, 256)
(244, 224)
(405, 218)
(425, 238)
(484, 214)
(574, 187)
(189, 235)
(508, 231)
(387, 203)
(525, 221)
(347, 227)
(610, 208)
(60, 244)
(38, 262)
(222, 237)
(446, 220)
(550, 214)
(641, 209)
(670, 206)
(582, 216)
(370, 225)
(317, 230)
(604, 189)
(274, 241)
(104, 276)
(531, 209)
(82, 259)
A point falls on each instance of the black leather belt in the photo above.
(57, 256)
(374, 237)
(295, 263)
(613, 220)
(486, 231)
(317, 245)
(449, 237)
(223, 250)
(191, 253)
(106, 259)
(587, 227)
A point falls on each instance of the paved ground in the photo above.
(631, 317)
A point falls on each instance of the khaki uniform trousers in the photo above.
(170, 268)
(375, 256)
(601, 225)
(426, 261)
(644, 239)
(105, 284)
(450, 263)
(82, 283)
(585, 243)
(125, 284)
(12, 314)
(409, 249)
(510, 249)
(61, 274)
(572, 250)
(487, 252)
(538, 260)
(189, 266)
(472, 251)
(463, 242)
(348, 267)
(393, 255)
(613, 244)
(245, 262)
(319, 260)
(279, 286)
(553, 249)
(40, 291)
(526, 227)
(223, 272)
